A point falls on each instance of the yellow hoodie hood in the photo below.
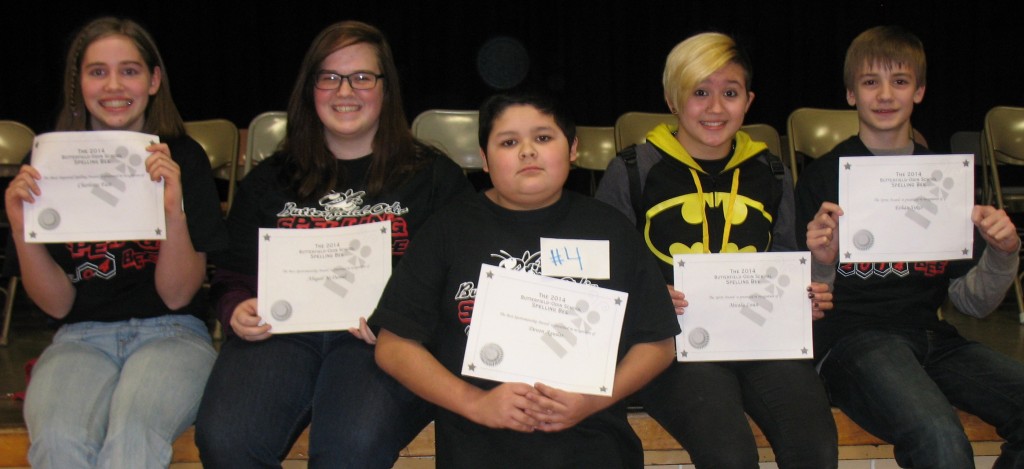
(662, 136)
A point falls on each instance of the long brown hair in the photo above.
(313, 169)
(161, 117)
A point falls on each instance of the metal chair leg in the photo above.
(12, 288)
(1020, 298)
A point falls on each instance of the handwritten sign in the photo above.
(578, 258)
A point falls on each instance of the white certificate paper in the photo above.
(744, 306)
(94, 188)
(322, 279)
(530, 328)
(906, 208)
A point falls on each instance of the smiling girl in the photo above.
(706, 187)
(124, 374)
(348, 158)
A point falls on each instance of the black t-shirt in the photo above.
(902, 295)
(116, 280)
(264, 200)
(430, 299)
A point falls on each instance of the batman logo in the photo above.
(673, 222)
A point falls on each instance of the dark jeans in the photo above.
(902, 386)
(261, 395)
(702, 406)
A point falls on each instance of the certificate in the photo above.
(906, 208)
(744, 306)
(529, 328)
(94, 188)
(322, 279)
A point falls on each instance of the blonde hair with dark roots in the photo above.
(693, 60)
(885, 46)
(161, 117)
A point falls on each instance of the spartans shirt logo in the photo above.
(339, 205)
(347, 209)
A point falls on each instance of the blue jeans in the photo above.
(261, 395)
(902, 386)
(117, 394)
(702, 406)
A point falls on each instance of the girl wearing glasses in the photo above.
(348, 158)
(124, 374)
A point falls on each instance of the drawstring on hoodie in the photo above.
(728, 212)
(743, 148)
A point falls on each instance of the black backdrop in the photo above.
(235, 60)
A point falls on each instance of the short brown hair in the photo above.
(885, 46)
(161, 116)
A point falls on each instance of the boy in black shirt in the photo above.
(426, 310)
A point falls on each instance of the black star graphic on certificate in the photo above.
(490, 274)
(618, 301)
(682, 263)
(847, 255)
(803, 350)
(32, 235)
(158, 231)
(604, 389)
(684, 354)
(803, 261)
(847, 166)
(964, 251)
(472, 367)
(966, 164)
(383, 229)
(266, 237)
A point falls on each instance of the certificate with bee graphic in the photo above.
(906, 208)
(322, 279)
(744, 306)
(529, 328)
(94, 187)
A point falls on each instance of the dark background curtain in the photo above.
(235, 60)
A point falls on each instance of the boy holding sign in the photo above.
(527, 144)
(887, 359)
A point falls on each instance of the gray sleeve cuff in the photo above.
(823, 273)
(979, 292)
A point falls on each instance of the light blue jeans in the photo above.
(116, 395)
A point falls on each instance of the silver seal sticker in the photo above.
(491, 354)
(863, 240)
(281, 310)
(699, 338)
(49, 219)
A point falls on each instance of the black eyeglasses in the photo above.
(357, 80)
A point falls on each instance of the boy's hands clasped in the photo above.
(506, 406)
(525, 408)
